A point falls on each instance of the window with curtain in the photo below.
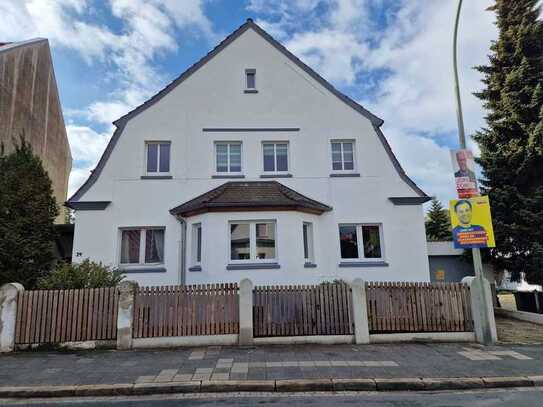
(158, 157)
(228, 157)
(360, 241)
(142, 246)
(343, 155)
(275, 156)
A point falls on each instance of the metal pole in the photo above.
(459, 116)
(486, 300)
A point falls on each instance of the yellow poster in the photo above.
(471, 223)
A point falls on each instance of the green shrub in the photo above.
(87, 274)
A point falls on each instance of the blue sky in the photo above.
(392, 56)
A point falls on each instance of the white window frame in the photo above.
(252, 241)
(275, 143)
(360, 243)
(146, 157)
(194, 256)
(228, 172)
(343, 171)
(310, 242)
(143, 237)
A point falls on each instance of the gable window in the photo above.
(250, 79)
(228, 157)
(142, 246)
(197, 244)
(343, 155)
(157, 157)
(275, 156)
(252, 241)
(360, 241)
(307, 231)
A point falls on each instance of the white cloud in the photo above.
(87, 146)
(415, 97)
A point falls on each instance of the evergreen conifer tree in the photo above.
(512, 143)
(438, 222)
(27, 212)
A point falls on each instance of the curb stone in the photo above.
(453, 383)
(270, 386)
(507, 382)
(410, 383)
(304, 385)
(354, 384)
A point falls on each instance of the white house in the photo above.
(250, 164)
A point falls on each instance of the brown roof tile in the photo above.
(250, 195)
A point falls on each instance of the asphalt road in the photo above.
(529, 397)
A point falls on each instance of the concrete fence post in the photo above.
(8, 315)
(125, 314)
(360, 312)
(245, 312)
(484, 323)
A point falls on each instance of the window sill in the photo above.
(226, 176)
(156, 177)
(195, 268)
(253, 266)
(142, 269)
(363, 264)
(250, 91)
(344, 175)
(309, 265)
(276, 176)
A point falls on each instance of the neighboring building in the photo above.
(250, 164)
(446, 263)
(449, 265)
(30, 106)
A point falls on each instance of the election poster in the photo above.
(464, 173)
(471, 223)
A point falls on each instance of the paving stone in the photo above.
(257, 364)
(201, 376)
(399, 384)
(507, 381)
(454, 383)
(145, 379)
(225, 361)
(204, 370)
(354, 384)
(238, 376)
(237, 386)
(304, 385)
(220, 376)
(182, 377)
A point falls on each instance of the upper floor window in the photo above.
(343, 155)
(275, 157)
(142, 246)
(228, 157)
(250, 79)
(359, 242)
(158, 157)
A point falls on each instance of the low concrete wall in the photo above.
(520, 315)
(178, 341)
(423, 337)
(301, 340)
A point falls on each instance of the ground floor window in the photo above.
(252, 241)
(142, 246)
(197, 243)
(360, 241)
(307, 231)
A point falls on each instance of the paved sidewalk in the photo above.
(269, 363)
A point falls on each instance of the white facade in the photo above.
(291, 105)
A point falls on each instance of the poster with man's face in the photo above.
(464, 173)
(471, 223)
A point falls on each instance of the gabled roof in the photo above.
(250, 195)
(249, 24)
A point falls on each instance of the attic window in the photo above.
(250, 81)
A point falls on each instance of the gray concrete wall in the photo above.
(30, 105)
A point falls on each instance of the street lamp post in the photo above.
(486, 300)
